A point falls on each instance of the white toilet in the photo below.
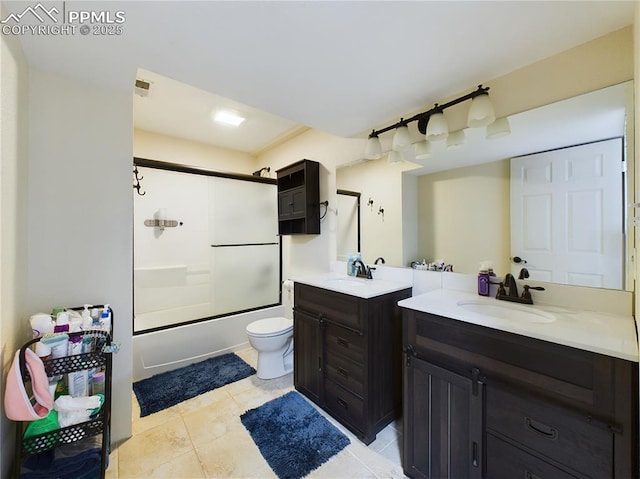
(273, 339)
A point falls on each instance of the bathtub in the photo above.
(160, 351)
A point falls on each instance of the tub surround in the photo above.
(599, 332)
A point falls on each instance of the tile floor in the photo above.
(204, 438)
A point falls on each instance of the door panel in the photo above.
(443, 423)
(567, 215)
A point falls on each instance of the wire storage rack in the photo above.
(38, 449)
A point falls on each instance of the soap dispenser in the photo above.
(484, 276)
(87, 321)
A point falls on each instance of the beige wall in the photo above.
(381, 235)
(154, 146)
(460, 225)
(314, 253)
(14, 149)
(80, 211)
(636, 66)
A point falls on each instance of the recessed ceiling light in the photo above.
(228, 118)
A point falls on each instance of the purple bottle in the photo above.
(483, 283)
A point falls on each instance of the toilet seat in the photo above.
(264, 328)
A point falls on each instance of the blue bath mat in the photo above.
(292, 436)
(168, 389)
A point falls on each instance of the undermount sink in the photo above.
(354, 286)
(507, 311)
(349, 282)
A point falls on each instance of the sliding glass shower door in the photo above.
(245, 248)
(217, 253)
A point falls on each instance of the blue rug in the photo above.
(168, 389)
(292, 436)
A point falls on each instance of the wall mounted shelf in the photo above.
(299, 198)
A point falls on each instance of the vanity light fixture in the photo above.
(374, 149)
(498, 128)
(423, 150)
(401, 139)
(433, 124)
(395, 157)
(480, 112)
(437, 127)
(228, 118)
(456, 139)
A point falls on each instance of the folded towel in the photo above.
(81, 460)
(68, 403)
(75, 410)
(17, 404)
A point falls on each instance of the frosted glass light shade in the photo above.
(395, 157)
(437, 128)
(480, 112)
(423, 150)
(498, 128)
(373, 150)
(401, 139)
(456, 139)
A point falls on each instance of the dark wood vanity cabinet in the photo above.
(299, 198)
(544, 410)
(348, 356)
(443, 424)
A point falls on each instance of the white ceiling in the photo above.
(341, 67)
(177, 109)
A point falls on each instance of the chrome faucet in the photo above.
(362, 270)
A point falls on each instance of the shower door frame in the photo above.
(180, 168)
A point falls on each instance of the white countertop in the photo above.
(603, 333)
(360, 287)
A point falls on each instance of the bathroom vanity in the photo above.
(348, 350)
(517, 397)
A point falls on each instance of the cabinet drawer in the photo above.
(334, 307)
(558, 433)
(345, 342)
(505, 461)
(344, 405)
(346, 373)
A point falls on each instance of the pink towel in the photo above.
(17, 405)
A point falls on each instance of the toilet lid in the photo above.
(270, 326)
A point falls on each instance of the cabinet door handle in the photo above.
(475, 455)
(342, 403)
(530, 475)
(343, 372)
(343, 342)
(541, 429)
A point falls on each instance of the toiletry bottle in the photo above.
(62, 323)
(483, 282)
(357, 258)
(95, 318)
(105, 319)
(350, 265)
(86, 318)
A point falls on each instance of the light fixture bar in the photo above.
(423, 118)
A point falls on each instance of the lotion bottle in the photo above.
(484, 279)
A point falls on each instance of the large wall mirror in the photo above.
(487, 200)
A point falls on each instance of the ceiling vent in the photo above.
(142, 87)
